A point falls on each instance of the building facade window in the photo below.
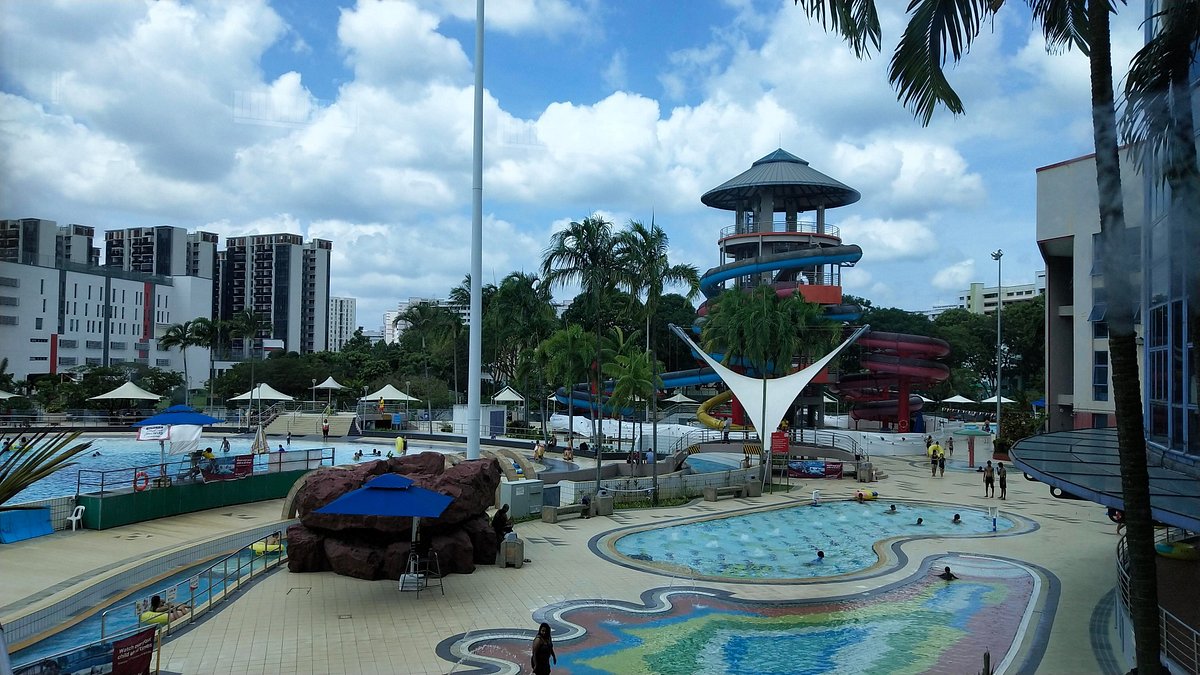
(1100, 375)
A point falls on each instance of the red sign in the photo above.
(779, 442)
(132, 655)
(833, 469)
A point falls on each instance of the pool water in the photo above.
(123, 617)
(713, 462)
(783, 543)
(126, 452)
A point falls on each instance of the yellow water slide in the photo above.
(711, 422)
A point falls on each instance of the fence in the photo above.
(1180, 642)
(188, 470)
(671, 486)
(206, 590)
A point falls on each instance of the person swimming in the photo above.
(957, 520)
(891, 510)
(920, 521)
(947, 574)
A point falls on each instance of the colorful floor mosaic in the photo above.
(925, 624)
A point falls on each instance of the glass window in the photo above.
(37, 323)
(1100, 375)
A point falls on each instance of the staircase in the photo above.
(309, 425)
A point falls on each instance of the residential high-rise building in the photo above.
(163, 250)
(284, 281)
(342, 322)
(34, 241)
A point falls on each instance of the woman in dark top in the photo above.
(500, 523)
(543, 651)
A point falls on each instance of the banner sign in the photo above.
(806, 468)
(154, 432)
(833, 469)
(132, 655)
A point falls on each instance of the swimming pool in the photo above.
(123, 452)
(782, 544)
(197, 583)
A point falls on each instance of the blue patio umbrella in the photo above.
(391, 495)
(176, 415)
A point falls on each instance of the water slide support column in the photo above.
(902, 411)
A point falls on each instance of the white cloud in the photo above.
(955, 277)
(396, 44)
(549, 17)
(616, 75)
(883, 240)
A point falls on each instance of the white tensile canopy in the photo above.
(127, 391)
(330, 383)
(957, 399)
(7, 395)
(508, 395)
(992, 400)
(388, 393)
(680, 398)
(263, 392)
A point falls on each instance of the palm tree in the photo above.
(247, 325)
(583, 252)
(180, 335)
(642, 252)
(635, 378)
(567, 355)
(917, 73)
(208, 333)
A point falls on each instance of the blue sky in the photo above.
(352, 123)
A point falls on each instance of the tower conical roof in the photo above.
(792, 182)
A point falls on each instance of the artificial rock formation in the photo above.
(377, 547)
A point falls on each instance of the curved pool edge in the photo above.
(91, 592)
(889, 551)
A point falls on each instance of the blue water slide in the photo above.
(846, 254)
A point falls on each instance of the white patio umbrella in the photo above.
(957, 399)
(925, 400)
(993, 400)
(680, 398)
(127, 391)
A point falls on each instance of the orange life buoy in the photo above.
(141, 481)
(902, 426)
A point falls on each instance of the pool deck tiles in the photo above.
(324, 623)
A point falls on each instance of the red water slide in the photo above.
(896, 362)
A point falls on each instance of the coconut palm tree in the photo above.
(247, 325)
(916, 71)
(208, 333)
(635, 378)
(584, 253)
(642, 252)
(180, 335)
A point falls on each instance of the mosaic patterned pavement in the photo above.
(924, 624)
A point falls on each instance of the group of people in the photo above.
(358, 454)
(956, 520)
(937, 455)
(541, 448)
(993, 475)
(15, 444)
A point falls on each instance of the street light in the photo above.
(997, 255)
(314, 393)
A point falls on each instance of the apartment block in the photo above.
(343, 320)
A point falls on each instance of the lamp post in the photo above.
(407, 390)
(314, 393)
(997, 255)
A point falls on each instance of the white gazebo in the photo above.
(992, 400)
(128, 392)
(680, 398)
(330, 384)
(388, 393)
(510, 395)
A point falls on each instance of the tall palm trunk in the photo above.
(599, 409)
(1135, 478)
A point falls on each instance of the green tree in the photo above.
(635, 380)
(673, 309)
(520, 315)
(1024, 342)
(940, 30)
(583, 253)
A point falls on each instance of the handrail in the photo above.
(780, 225)
(200, 602)
(93, 481)
(832, 439)
(1178, 641)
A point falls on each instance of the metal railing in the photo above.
(1180, 642)
(222, 579)
(818, 437)
(779, 225)
(185, 470)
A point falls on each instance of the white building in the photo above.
(981, 299)
(1078, 381)
(342, 321)
(56, 315)
(393, 329)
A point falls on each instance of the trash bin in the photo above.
(602, 505)
(512, 552)
(865, 469)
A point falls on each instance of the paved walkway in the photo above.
(36, 571)
(324, 623)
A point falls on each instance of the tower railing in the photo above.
(780, 225)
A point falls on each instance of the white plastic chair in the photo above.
(76, 517)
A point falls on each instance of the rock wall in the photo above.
(377, 547)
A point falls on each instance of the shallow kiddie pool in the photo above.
(782, 544)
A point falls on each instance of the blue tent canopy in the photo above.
(178, 414)
(1040, 403)
(389, 495)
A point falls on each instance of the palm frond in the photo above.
(1064, 23)
(857, 21)
(44, 455)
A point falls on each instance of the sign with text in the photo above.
(779, 442)
(154, 432)
(132, 656)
